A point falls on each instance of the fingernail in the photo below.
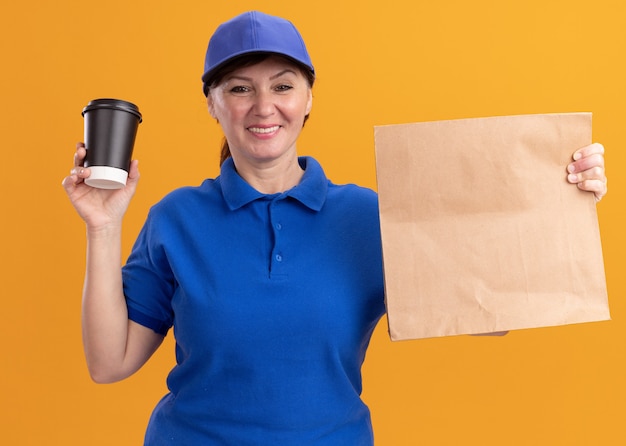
(577, 156)
(572, 178)
(571, 168)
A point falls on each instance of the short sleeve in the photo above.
(148, 278)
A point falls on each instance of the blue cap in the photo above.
(254, 32)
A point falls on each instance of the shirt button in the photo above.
(279, 226)
(279, 258)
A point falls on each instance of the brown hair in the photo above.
(247, 61)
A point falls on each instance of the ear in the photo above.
(309, 102)
(211, 105)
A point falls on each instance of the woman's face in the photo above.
(261, 109)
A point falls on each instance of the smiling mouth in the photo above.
(264, 130)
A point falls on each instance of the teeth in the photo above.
(263, 130)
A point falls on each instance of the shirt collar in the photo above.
(311, 191)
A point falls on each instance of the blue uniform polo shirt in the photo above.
(272, 300)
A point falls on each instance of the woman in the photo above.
(270, 274)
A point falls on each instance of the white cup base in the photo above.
(106, 177)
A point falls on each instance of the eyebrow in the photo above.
(275, 76)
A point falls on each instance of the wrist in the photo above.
(104, 231)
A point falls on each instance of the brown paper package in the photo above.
(481, 232)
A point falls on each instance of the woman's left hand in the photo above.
(587, 170)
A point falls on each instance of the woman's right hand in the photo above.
(99, 208)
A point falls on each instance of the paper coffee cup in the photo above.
(110, 131)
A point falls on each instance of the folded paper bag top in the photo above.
(481, 231)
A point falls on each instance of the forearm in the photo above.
(104, 313)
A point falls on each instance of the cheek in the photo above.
(230, 118)
(229, 115)
(219, 108)
(219, 111)
(294, 108)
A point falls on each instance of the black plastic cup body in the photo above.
(110, 131)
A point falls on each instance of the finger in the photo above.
(598, 187)
(80, 173)
(592, 149)
(79, 155)
(133, 172)
(594, 173)
(69, 183)
(588, 162)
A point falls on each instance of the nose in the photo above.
(264, 104)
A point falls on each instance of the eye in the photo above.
(239, 89)
(283, 87)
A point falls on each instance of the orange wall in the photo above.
(378, 63)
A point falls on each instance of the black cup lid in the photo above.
(116, 104)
